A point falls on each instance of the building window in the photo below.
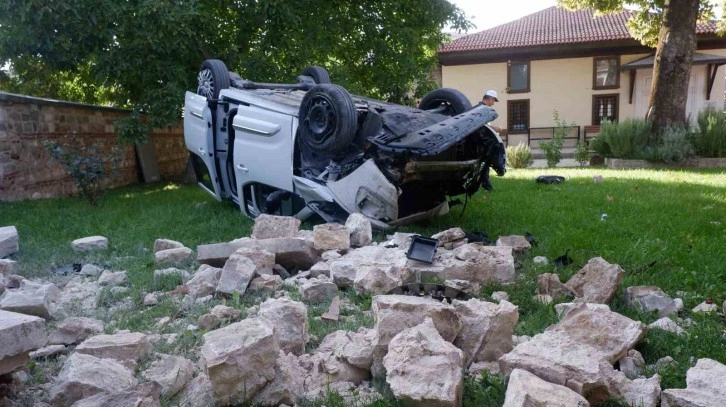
(604, 107)
(517, 77)
(517, 116)
(606, 73)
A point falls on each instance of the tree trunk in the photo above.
(672, 67)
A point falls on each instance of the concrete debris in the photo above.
(423, 369)
(596, 282)
(361, 232)
(32, 299)
(8, 241)
(90, 243)
(527, 390)
(173, 256)
(166, 244)
(519, 244)
(331, 236)
(271, 226)
(19, 335)
(239, 360)
(75, 330)
(649, 299)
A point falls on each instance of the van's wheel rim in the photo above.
(205, 82)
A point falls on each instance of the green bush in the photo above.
(674, 146)
(519, 156)
(582, 154)
(628, 138)
(710, 139)
(553, 148)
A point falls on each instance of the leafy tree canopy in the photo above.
(144, 54)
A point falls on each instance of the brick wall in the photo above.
(26, 168)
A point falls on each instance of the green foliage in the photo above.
(626, 139)
(484, 390)
(144, 55)
(132, 129)
(88, 163)
(553, 148)
(674, 146)
(582, 154)
(519, 156)
(710, 139)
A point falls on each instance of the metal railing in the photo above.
(538, 134)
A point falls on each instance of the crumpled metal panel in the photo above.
(367, 191)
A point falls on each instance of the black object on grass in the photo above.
(530, 238)
(422, 249)
(550, 179)
(563, 260)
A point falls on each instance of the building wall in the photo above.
(564, 85)
(26, 168)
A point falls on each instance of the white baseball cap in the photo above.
(492, 94)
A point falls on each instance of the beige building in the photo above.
(586, 68)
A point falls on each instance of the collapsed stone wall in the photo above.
(26, 168)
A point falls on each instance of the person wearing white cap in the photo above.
(489, 98)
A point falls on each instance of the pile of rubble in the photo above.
(422, 347)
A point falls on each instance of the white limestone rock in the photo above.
(111, 278)
(204, 282)
(668, 325)
(31, 298)
(141, 395)
(519, 244)
(290, 319)
(83, 376)
(127, 348)
(487, 328)
(705, 386)
(8, 241)
(90, 243)
(75, 330)
(19, 334)
(317, 291)
(597, 281)
(166, 244)
(331, 236)
(650, 298)
(179, 255)
(271, 226)
(527, 390)
(171, 372)
(361, 232)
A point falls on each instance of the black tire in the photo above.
(318, 73)
(213, 76)
(447, 101)
(328, 120)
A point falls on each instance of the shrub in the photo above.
(710, 139)
(582, 154)
(553, 148)
(674, 146)
(519, 156)
(628, 138)
(88, 164)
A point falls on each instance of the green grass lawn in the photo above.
(675, 218)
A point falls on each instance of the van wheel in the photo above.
(328, 119)
(318, 73)
(213, 76)
(446, 101)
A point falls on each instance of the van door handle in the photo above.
(242, 168)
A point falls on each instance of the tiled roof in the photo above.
(552, 26)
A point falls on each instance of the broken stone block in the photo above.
(215, 254)
(500, 296)
(198, 392)
(290, 319)
(83, 376)
(650, 298)
(80, 292)
(8, 241)
(374, 279)
(632, 365)
(705, 307)
(540, 260)
(527, 390)
(204, 281)
(171, 372)
(291, 253)
(480, 264)
(486, 329)
(519, 244)
(90, 270)
(19, 334)
(355, 348)
(361, 232)
(127, 348)
(344, 271)
(331, 236)
(31, 298)
(239, 360)
(171, 271)
(90, 243)
(265, 282)
(271, 226)
(166, 244)
(321, 269)
(549, 284)
(544, 299)
(111, 278)
(8, 267)
(597, 281)
(641, 392)
(423, 368)
(173, 256)
(150, 299)
(668, 325)
(449, 235)
(141, 395)
(563, 308)
(705, 386)
(237, 273)
(317, 291)
(47, 351)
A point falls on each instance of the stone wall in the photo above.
(26, 168)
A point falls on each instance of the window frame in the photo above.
(509, 76)
(595, 60)
(510, 127)
(604, 95)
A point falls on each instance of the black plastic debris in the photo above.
(422, 249)
(478, 237)
(438, 292)
(530, 238)
(550, 179)
(563, 260)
